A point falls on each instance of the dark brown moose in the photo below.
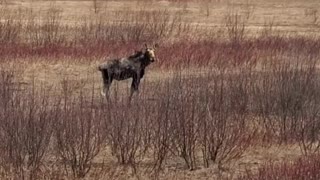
(125, 68)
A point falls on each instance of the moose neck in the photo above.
(140, 58)
(145, 61)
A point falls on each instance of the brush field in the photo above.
(235, 93)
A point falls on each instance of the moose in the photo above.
(125, 68)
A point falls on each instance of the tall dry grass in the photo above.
(260, 89)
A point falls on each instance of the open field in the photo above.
(289, 16)
(234, 93)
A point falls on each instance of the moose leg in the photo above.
(107, 80)
(141, 73)
(134, 86)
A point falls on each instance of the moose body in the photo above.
(125, 68)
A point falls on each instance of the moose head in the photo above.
(150, 52)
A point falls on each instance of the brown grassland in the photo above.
(234, 94)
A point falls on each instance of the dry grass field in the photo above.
(234, 93)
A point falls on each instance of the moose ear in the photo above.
(155, 46)
(146, 46)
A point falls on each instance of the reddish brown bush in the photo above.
(26, 128)
(303, 168)
(79, 132)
